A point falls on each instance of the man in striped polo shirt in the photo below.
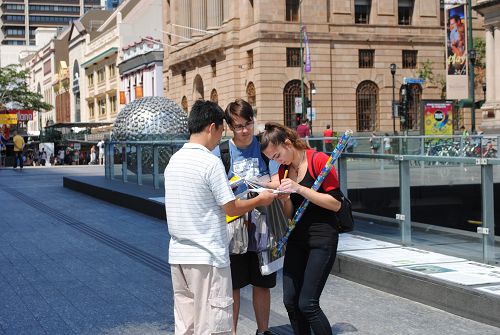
(197, 199)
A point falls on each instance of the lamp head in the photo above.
(393, 68)
(313, 87)
(484, 87)
(472, 56)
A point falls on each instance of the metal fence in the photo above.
(408, 161)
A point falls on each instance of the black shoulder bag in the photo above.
(345, 220)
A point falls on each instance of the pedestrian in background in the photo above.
(197, 199)
(18, 149)
(387, 144)
(100, 146)
(328, 133)
(312, 246)
(374, 143)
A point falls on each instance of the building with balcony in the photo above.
(20, 18)
(222, 50)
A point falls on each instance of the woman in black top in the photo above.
(312, 245)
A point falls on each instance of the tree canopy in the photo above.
(14, 90)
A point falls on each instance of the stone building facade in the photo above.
(222, 50)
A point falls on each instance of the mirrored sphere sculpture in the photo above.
(150, 120)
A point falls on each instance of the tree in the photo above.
(14, 90)
(479, 45)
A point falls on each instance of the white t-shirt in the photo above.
(196, 187)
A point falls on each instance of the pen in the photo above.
(286, 174)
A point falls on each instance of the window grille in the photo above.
(290, 92)
(214, 97)
(251, 94)
(405, 12)
(409, 59)
(184, 104)
(213, 64)
(250, 59)
(366, 106)
(293, 57)
(366, 58)
(362, 11)
(292, 10)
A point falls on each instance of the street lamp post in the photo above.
(472, 59)
(393, 105)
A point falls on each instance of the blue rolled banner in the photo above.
(321, 177)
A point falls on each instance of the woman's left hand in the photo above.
(288, 185)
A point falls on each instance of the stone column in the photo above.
(490, 65)
(495, 53)
(226, 7)
(184, 19)
(199, 17)
(214, 14)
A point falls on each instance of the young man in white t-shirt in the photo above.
(197, 199)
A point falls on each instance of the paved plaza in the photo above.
(73, 264)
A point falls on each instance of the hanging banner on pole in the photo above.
(456, 53)
(307, 51)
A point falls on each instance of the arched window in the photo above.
(251, 95)
(214, 97)
(198, 90)
(184, 104)
(290, 92)
(366, 106)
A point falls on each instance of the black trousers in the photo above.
(305, 272)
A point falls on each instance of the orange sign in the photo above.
(123, 99)
(138, 92)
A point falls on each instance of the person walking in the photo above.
(327, 134)
(312, 245)
(100, 146)
(374, 143)
(18, 149)
(246, 160)
(387, 144)
(197, 199)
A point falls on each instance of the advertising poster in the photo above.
(438, 117)
(456, 53)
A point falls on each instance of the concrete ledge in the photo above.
(456, 299)
(108, 191)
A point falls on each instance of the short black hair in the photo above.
(204, 113)
(239, 108)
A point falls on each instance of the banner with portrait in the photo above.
(456, 53)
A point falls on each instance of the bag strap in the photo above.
(225, 156)
(264, 157)
(312, 169)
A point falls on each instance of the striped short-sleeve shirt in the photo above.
(196, 187)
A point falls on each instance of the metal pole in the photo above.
(487, 206)
(470, 46)
(393, 102)
(405, 199)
